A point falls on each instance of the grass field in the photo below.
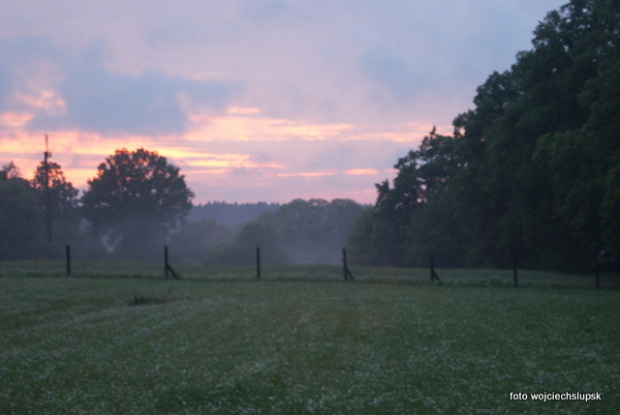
(451, 277)
(294, 343)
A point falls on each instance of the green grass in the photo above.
(280, 346)
(419, 276)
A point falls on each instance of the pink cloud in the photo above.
(361, 172)
(252, 102)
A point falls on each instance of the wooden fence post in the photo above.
(166, 261)
(68, 257)
(345, 269)
(434, 275)
(167, 267)
(515, 275)
(257, 263)
(344, 264)
(432, 265)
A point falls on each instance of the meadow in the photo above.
(302, 341)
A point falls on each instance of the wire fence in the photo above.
(346, 272)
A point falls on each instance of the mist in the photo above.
(299, 232)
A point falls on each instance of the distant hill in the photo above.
(230, 213)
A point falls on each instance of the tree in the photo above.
(241, 249)
(65, 214)
(193, 240)
(535, 152)
(313, 231)
(63, 195)
(436, 230)
(21, 219)
(135, 200)
(9, 171)
(301, 232)
(359, 244)
(531, 175)
(414, 217)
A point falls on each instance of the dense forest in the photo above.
(531, 176)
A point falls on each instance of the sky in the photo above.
(254, 100)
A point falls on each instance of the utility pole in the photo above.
(48, 204)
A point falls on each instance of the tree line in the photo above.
(138, 202)
(232, 214)
(22, 211)
(136, 199)
(531, 176)
(299, 232)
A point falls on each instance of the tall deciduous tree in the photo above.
(136, 198)
(531, 173)
(21, 219)
(9, 171)
(63, 196)
(414, 216)
(539, 146)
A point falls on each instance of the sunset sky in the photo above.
(255, 100)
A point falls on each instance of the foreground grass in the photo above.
(74, 345)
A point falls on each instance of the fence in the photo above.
(323, 273)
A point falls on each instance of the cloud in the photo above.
(5, 84)
(77, 91)
(537, 10)
(262, 11)
(402, 79)
(254, 99)
(345, 61)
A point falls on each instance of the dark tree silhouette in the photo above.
(63, 196)
(21, 220)
(135, 200)
(531, 176)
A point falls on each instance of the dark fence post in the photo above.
(432, 268)
(515, 275)
(345, 269)
(344, 264)
(166, 261)
(167, 267)
(434, 275)
(257, 263)
(68, 257)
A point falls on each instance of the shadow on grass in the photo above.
(143, 300)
